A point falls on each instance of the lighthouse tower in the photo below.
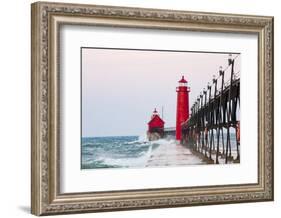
(182, 105)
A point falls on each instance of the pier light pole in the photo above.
(202, 124)
(205, 122)
(219, 120)
(210, 122)
(214, 116)
(198, 123)
(228, 143)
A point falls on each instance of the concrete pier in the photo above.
(173, 155)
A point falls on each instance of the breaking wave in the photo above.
(121, 152)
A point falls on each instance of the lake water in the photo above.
(124, 151)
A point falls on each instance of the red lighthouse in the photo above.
(156, 123)
(155, 127)
(182, 105)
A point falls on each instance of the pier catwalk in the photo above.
(172, 154)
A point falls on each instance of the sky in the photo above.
(121, 88)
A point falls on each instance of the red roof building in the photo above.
(156, 123)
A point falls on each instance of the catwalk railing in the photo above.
(213, 128)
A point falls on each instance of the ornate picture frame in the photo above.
(47, 18)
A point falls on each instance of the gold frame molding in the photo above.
(45, 192)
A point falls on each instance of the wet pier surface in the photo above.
(173, 155)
